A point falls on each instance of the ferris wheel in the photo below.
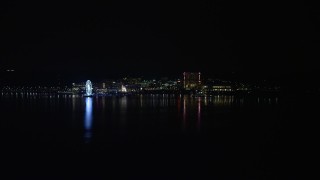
(88, 88)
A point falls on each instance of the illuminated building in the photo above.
(221, 88)
(191, 80)
(78, 88)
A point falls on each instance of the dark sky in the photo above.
(158, 37)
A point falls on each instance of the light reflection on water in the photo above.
(129, 112)
(88, 120)
(184, 113)
(199, 113)
(123, 110)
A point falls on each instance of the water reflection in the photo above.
(141, 101)
(184, 113)
(123, 110)
(223, 100)
(88, 120)
(199, 113)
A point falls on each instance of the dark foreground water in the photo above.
(154, 136)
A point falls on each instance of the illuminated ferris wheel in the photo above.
(88, 88)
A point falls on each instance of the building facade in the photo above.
(191, 80)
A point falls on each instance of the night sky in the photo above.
(159, 38)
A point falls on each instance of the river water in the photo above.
(151, 136)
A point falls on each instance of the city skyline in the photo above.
(15, 76)
(153, 89)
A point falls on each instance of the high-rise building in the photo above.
(191, 80)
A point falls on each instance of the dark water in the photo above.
(153, 136)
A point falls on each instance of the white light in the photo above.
(88, 88)
(123, 88)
